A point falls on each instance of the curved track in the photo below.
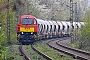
(44, 55)
(28, 57)
(25, 54)
(60, 45)
(23, 51)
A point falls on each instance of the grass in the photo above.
(75, 45)
(10, 53)
(50, 52)
(33, 54)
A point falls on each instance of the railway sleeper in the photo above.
(71, 54)
(42, 54)
(78, 50)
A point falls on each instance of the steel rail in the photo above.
(25, 54)
(76, 50)
(67, 51)
(41, 53)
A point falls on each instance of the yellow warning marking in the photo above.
(22, 29)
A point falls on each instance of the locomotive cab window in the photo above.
(27, 21)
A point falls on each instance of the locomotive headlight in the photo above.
(22, 32)
(31, 32)
(27, 17)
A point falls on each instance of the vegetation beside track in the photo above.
(33, 54)
(10, 53)
(83, 42)
(42, 46)
(13, 13)
(82, 39)
(4, 54)
(3, 20)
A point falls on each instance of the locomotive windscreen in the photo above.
(27, 21)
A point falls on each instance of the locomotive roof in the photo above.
(29, 16)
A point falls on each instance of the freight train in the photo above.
(30, 29)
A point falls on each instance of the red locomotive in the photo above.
(27, 29)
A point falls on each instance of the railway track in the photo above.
(28, 57)
(24, 53)
(44, 55)
(75, 53)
